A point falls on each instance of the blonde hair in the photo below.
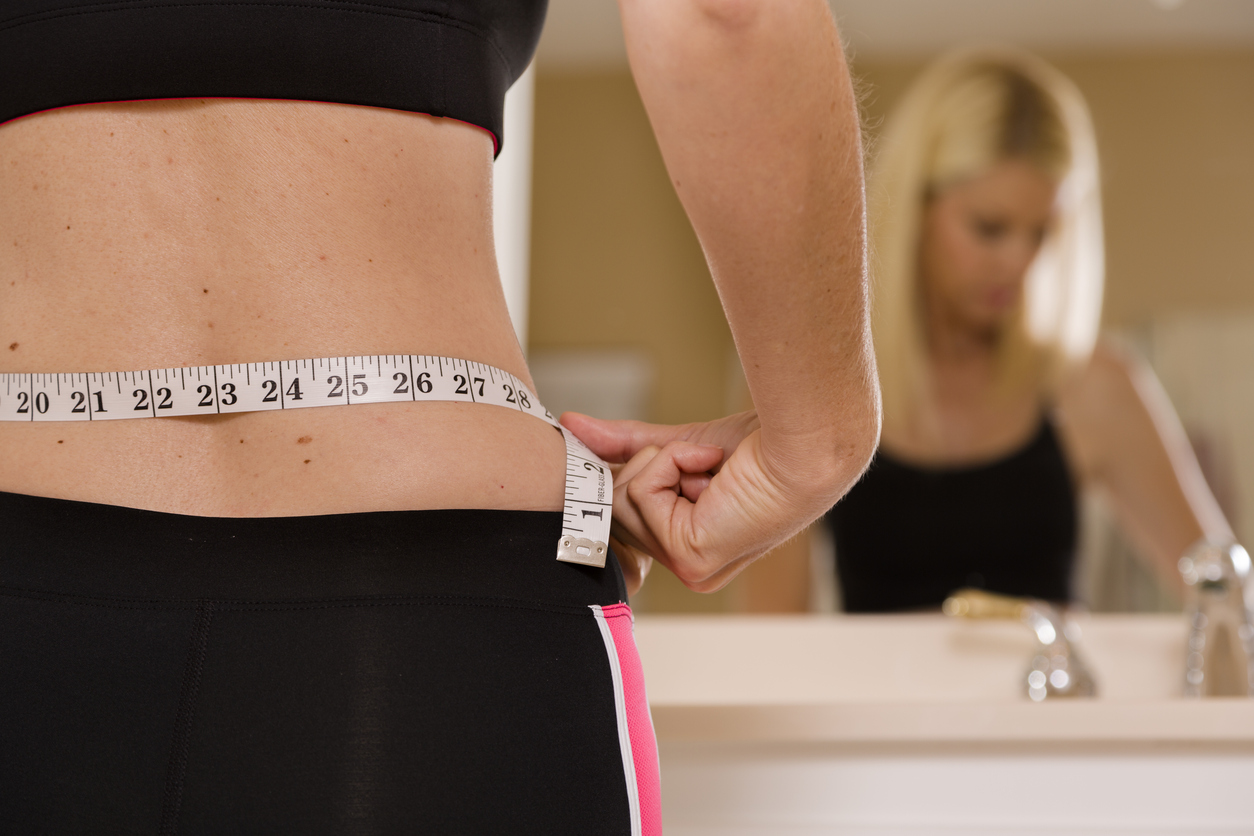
(965, 113)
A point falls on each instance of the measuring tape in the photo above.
(324, 381)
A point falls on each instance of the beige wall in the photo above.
(615, 263)
(614, 260)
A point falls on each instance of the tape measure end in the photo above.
(582, 551)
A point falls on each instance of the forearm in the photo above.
(755, 116)
(1138, 452)
(1162, 495)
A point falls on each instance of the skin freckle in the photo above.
(304, 439)
(307, 461)
(12, 346)
(210, 324)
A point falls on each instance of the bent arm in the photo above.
(1140, 454)
(755, 116)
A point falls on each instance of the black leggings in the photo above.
(393, 672)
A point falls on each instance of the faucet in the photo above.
(1056, 669)
(1219, 661)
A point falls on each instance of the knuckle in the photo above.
(636, 490)
(692, 576)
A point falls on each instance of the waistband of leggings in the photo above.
(92, 550)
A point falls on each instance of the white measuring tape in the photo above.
(324, 381)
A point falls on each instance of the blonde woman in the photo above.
(1000, 401)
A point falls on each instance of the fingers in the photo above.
(661, 473)
(618, 441)
(628, 527)
(669, 471)
(655, 496)
(692, 484)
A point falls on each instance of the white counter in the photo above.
(919, 724)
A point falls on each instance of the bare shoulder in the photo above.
(1105, 388)
(1097, 403)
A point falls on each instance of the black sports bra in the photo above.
(908, 536)
(451, 58)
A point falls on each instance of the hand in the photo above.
(700, 498)
(633, 558)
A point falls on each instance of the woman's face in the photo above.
(979, 238)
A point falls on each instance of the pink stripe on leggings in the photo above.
(635, 725)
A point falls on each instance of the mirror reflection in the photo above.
(1060, 280)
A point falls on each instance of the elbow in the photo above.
(857, 436)
(836, 460)
(852, 453)
(856, 447)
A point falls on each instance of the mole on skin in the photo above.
(304, 439)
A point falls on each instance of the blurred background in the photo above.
(621, 319)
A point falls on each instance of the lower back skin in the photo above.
(198, 232)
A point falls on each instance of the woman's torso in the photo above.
(194, 232)
(909, 534)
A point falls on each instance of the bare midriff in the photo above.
(185, 233)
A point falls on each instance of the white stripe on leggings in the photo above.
(620, 707)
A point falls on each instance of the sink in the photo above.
(919, 724)
(905, 658)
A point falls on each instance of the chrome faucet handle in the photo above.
(1056, 669)
(1219, 660)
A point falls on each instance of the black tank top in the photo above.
(452, 58)
(907, 536)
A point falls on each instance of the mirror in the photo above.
(617, 273)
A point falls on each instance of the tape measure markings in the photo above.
(325, 381)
